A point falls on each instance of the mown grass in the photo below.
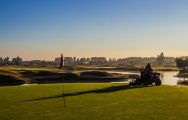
(93, 101)
(156, 68)
(19, 68)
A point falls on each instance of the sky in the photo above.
(42, 29)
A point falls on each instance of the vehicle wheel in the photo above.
(138, 82)
(157, 81)
(130, 84)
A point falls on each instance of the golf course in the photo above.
(85, 101)
(87, 94)
(93, 60)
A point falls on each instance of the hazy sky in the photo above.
(42, 29)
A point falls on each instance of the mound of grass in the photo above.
(46, 73)
(70, 75)
(28, 73)
(11, 78)
(9, 72)
(8, 79)
(94, 74)
(55, 78)
(165, 68)
(183, 75)
(183, 82)
(34, 68)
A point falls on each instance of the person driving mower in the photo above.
(147, 77)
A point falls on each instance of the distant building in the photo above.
(68, 61)
(57, 60)
(84, 61)
(112, 61)
(136, 61)
(132, 61)
(36, 62)
(98, 61)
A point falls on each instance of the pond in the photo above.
(167, 77)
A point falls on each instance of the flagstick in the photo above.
(63, 94)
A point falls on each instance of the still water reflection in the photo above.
(167, 77)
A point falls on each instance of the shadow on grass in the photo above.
(103, 90)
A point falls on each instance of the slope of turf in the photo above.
(16, 75)
(93, 101)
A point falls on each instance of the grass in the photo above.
(11, 75)
(183, 82)
(29, 68)
(165, 68)
(183, 75)
(95, 73)
(93, 101)
(11, 78)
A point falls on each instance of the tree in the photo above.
(182, 63)
(17, 61)
(1, 61)
(6, 61)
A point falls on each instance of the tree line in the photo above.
(182, 63)
(6, 61)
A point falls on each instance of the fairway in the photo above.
(93, 101)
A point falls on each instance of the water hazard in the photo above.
(167, 77)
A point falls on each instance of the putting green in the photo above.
(93, 101)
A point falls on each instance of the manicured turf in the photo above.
(11, 68)
(93, 102)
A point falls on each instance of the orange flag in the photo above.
(61, 61)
